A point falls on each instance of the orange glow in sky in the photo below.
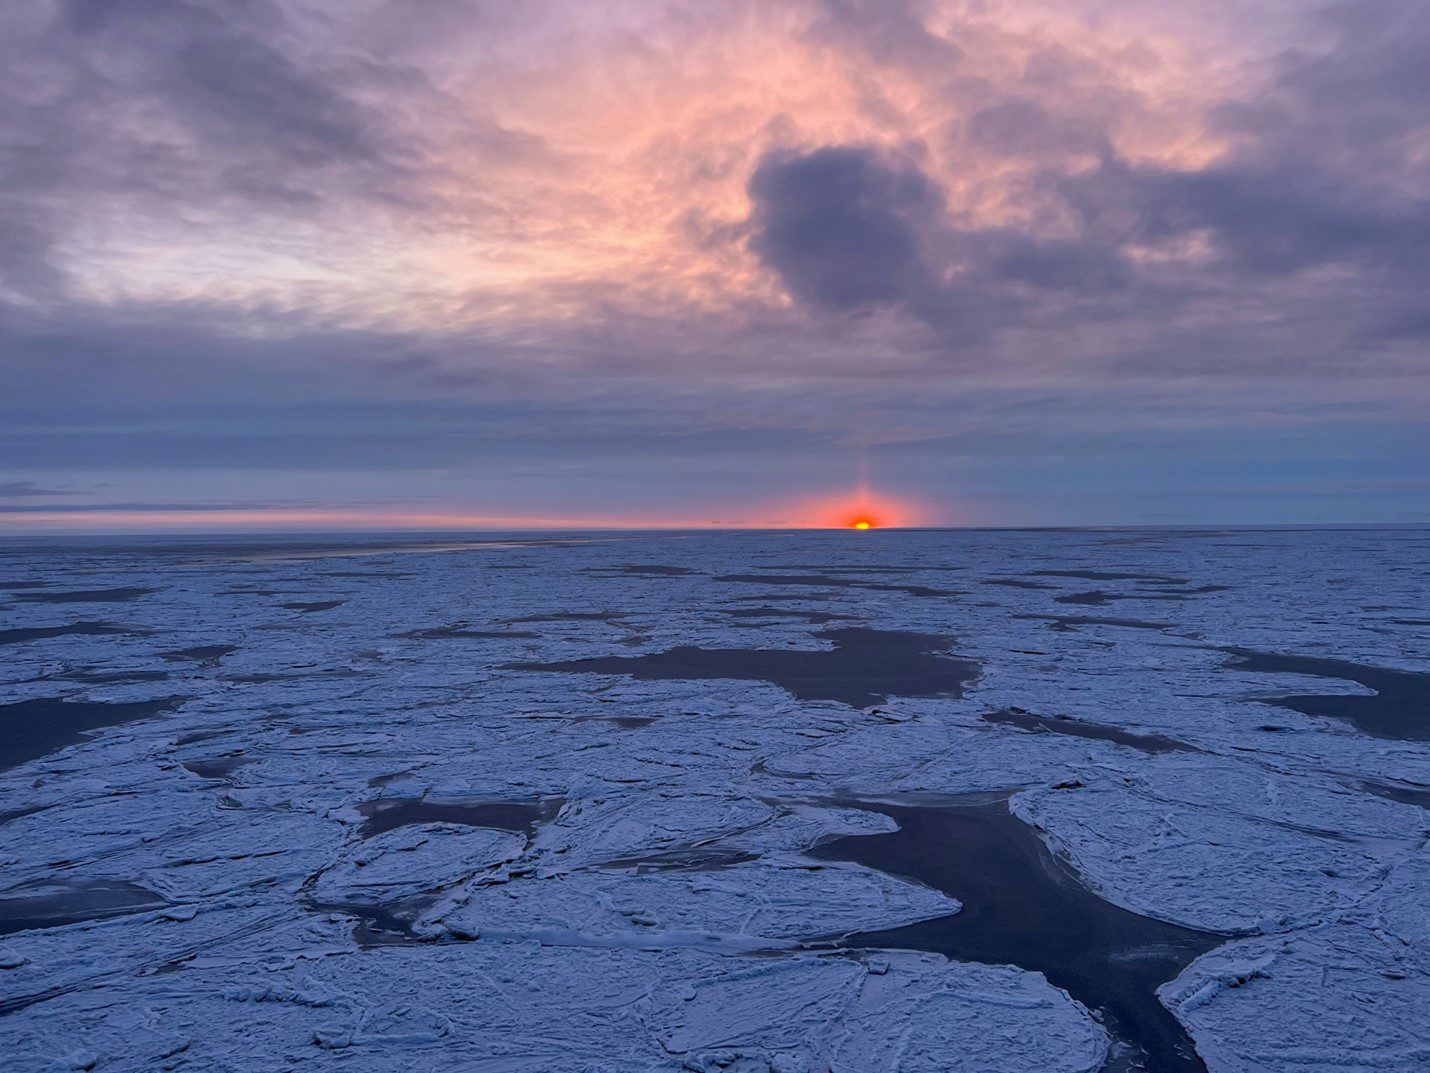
(838, 513)
(861, 510)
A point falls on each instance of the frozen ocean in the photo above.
(791, 802)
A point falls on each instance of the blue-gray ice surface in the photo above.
(318, 803)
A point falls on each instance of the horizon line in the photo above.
(417, 532)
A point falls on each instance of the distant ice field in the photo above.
(764, 802)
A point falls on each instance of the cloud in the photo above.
(888, 31)
(223, 76)
(324, 236)
(28, 489)
(849, 228)
(86, 508)
(842, 225)
(28, 268)
(1314, 218)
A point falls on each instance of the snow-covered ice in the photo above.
(585, 869)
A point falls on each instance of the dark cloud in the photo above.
(848, 228)
(29, 489)
(1262, 217)
(223, 75)
(843, 225)
(1363, 103)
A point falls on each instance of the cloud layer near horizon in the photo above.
(1058, 261)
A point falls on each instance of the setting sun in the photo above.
(862, 510)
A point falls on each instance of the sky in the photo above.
(362, 263)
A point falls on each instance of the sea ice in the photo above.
(645, 893)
